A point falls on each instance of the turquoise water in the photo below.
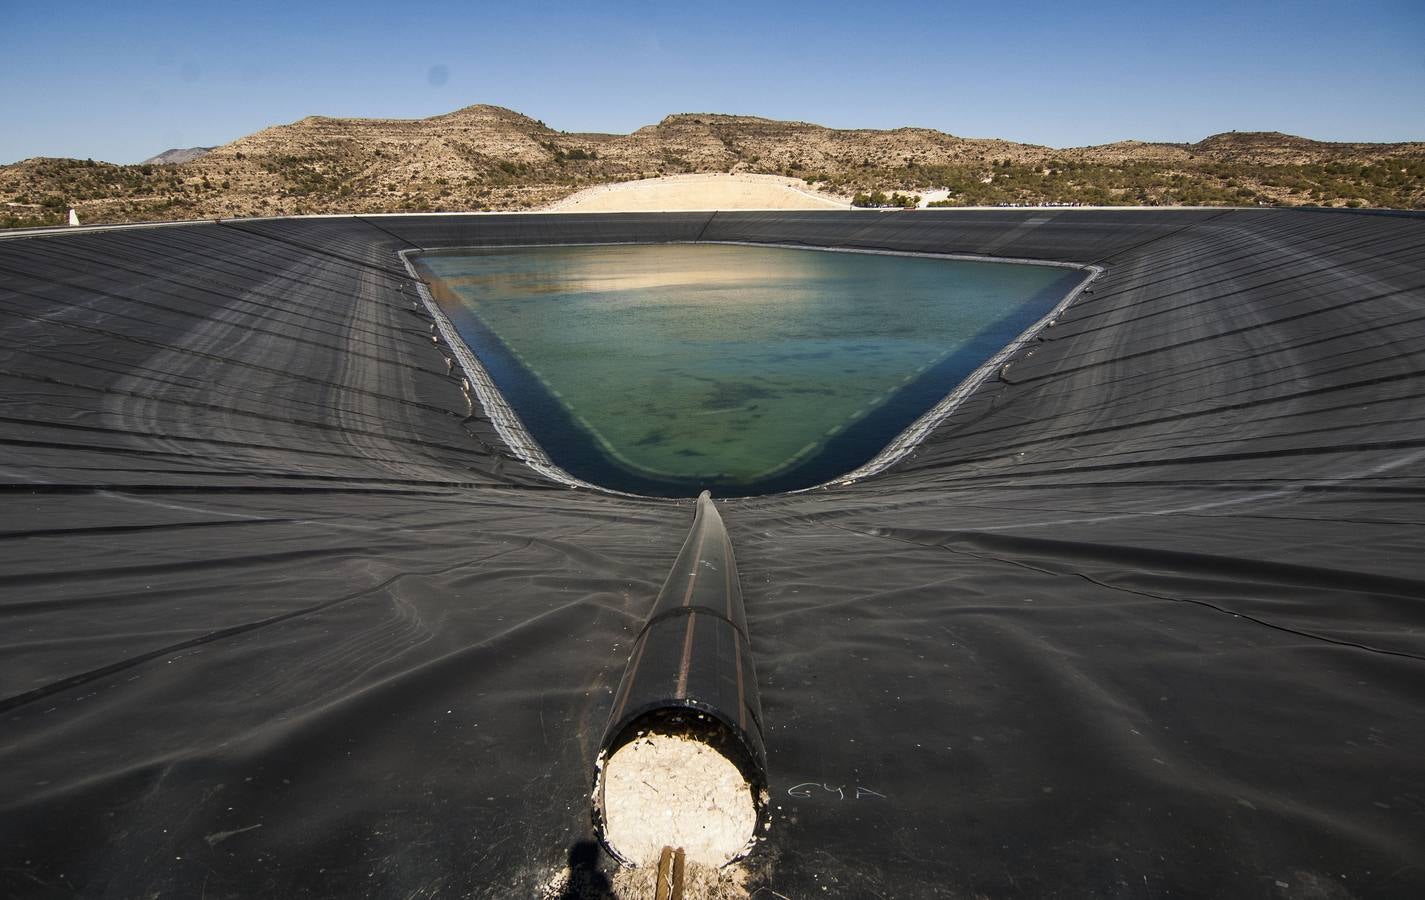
(669, 368)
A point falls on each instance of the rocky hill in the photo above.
(487, 157)
(177, 155)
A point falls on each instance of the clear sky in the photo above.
(125, 79)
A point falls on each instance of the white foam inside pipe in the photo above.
(662, 790)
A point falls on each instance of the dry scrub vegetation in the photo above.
(489, 158)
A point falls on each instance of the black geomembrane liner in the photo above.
(281, 615)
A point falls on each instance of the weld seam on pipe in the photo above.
(688, 611)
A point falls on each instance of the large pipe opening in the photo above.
(674, 783)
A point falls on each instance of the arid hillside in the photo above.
(490, 158)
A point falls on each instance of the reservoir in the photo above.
(668, 369)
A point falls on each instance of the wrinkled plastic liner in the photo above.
(282, 614)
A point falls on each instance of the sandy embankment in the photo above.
(674, 193)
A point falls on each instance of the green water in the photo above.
(669, 368)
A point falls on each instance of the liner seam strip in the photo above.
(506, 421)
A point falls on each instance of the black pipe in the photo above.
(690, 672)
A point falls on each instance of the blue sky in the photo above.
(121, 81)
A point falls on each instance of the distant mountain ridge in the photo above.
(489, 157)
(175, 156)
